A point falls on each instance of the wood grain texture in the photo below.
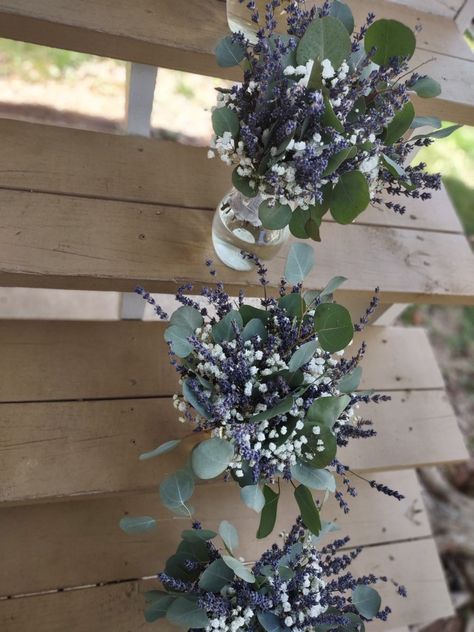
(92, 244)
(79, 542)
(51, 451)
(158, 33)
(118, 608)
(66, 360)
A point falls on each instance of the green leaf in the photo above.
(195, 550)
(254, 327)
(326, 527)
(334, 327)
(239, 569)
(342, 12)
(196, 535)
(242, 184)
(228, 52)
(293, 304)
(274, 217)
(216, 576)
(159, 602)
(336, 160)
(186, 613)
(178, 337)
(177, 567)
(187, 317)
(350, 382)
(323, 458)
(229, 536)
(308, 510)
(211, 457)
(190, 396)
(270, 622)
(137, 524)
(441, 133)
(327, 410)
(161, 449)
(422, 121)
(390, 39)
(286, 573)
(315, 81)
(298, 221)
(283, 406)
(253, 497)
(325, 38)
(395, 168)
(350, 197)
(426, 88)
(312, 229)
(366, 600)
(313, 478)
(400, 123)
(299, 263)
(175, 490)
(332, 286)
(224, 330)
(269, 512)
(225, 120)
(329, 118)
(302, 355)
(248, 312)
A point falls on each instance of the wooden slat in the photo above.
(64, 360)
(118, 608)
(447, 8)
(78, 542)
(91, 244)
(53, 450)
(161, 34)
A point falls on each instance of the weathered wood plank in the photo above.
(92, 244)
(118, 607)
(160, 34)
(79, 542)
(50, 451)
(64, 360)
(447, 8)
(107, 166)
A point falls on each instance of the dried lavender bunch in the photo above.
(269, 389)
(317, 123)
(295, 587)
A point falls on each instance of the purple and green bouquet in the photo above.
(269, 389)
(295, 587)
(319, 121)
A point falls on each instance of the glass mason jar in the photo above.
(236, 227)
(239, 18)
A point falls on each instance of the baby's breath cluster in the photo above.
(315, 128)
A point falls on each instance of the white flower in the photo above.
(328, 70)
(211, 154)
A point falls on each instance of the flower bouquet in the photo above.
(267, 392)
(294, 587)
(317, 125)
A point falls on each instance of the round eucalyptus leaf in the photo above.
(342, 12)
(196, 535)
(211, 457)
(242, 184)
(390, 38)
(224, 330)
(177, 566)
(229, 535)
(229, 53)
(254, 327)
(327, 410)
(186, 613)
(366, 600)
(293, 304)
(216, 576)
(175, 490)
(422, 121)
(426, 88)
(334, 327)
(325, 38)
(137, 524)
(191, 397)
(350, 197)
(298, 220)
(161, 449)
(350, 382)
(312, 477)
(270, 622)
(302, 355)
(157, 605)
(274, 217)
(225, 120)
(253, 497)
(299, 263)
(178, 336)
(322, 455)
(400, 124)
(312, 228)
(332, 286)
(239, 569)
(187, 316)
